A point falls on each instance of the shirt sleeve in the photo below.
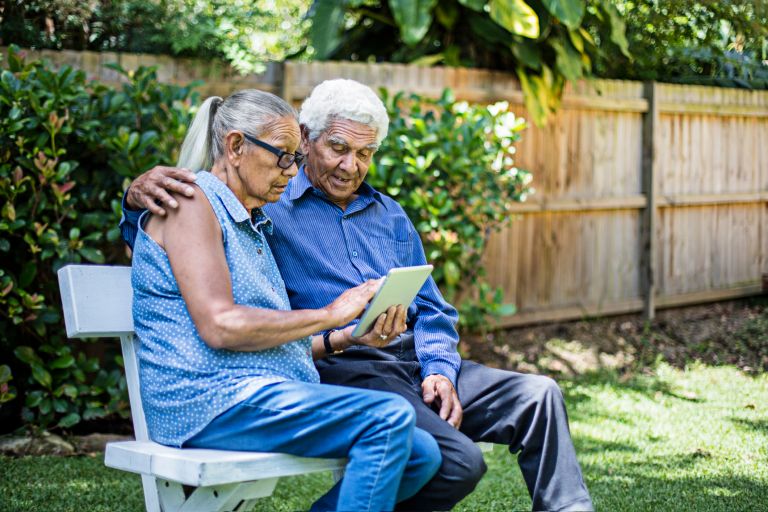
(434, 324)
(129, 222)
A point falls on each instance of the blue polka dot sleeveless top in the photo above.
(184, 383)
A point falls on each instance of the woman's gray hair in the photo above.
(343, 99)
(249, 111)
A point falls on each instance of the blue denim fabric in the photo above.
(389, 458)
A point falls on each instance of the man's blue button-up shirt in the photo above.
(322, 251)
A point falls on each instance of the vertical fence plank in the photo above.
(650, 212)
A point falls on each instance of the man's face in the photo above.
(338, 160)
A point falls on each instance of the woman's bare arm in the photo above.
(191, 237)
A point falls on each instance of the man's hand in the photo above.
(152, 190)
(388, 326)
(438, 389)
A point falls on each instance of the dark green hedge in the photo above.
(67, 148)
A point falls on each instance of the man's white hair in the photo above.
(343, 99)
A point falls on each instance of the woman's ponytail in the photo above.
(195, 152)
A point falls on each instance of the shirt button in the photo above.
(258, 251)
(354, 253)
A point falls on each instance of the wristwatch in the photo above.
(327, 343)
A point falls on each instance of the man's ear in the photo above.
(304, 139)
(234, 146)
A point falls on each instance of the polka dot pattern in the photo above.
(185, 383)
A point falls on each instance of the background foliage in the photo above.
(450, 166)
(246, 33)
(689, 41)
(545, 42)
(66, 148)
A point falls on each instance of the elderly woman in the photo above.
(224, 362)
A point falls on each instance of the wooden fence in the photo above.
(647, 195)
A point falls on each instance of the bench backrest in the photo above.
(96, 300)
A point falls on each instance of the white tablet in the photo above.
(399, 287)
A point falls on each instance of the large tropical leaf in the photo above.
(413, 17)
(569, 12)
(618, 28)
(327, 22)
(568, 61)
(515, 16)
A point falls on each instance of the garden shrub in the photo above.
(68, 146)
(450, 165)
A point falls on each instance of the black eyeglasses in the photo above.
(284, 158)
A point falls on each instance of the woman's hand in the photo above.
(351, 303)
(387, 327)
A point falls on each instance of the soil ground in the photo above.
(725, 333)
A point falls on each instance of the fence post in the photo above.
(285, 84)
(651, 211)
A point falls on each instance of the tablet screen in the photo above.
(400, 287)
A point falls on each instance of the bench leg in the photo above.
(217, 498)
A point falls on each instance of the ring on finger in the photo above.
(383, 336)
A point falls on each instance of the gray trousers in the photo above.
(524, 412)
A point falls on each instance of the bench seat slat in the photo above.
(202, 468)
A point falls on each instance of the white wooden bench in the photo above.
(96, 301)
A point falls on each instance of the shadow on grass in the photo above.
(670, 485)
(760, 426)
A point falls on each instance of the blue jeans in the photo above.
(389, 458)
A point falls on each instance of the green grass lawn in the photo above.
(662, 440)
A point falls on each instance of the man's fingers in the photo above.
(428, 394)
(457, 413)
(181, 174)
(389, 322)
(173, 185)
(446, 403)
(379, 325)
(159, 194)
(154, 208)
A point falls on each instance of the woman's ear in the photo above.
(235, 145)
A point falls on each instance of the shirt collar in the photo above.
(234, 207)
(300, 184)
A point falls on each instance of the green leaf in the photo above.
(327, 21)
(34, 398)
(475, 5)
(42, 376)
(92, 255)
(570, 12)
(59, 405)
(536, 95)
(413, 17)
(452, 273)
(28, 272)
(5, 373)
(70, 390)
(527, 53)
(507, 309)
(64, 361)
(568, 61)
(515, 16)
(69, 420)
(618, 29)
(27, 355)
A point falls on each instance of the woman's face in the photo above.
(262, 181)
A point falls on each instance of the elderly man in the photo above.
(333, 231)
